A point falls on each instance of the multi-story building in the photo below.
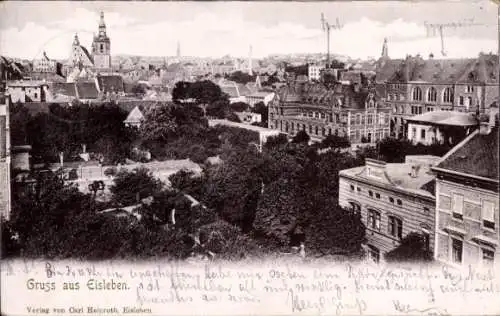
(394, 199)
(23, 91)
(314, 72)
(467, 215)
(5, 192)
(415, 86)
(440, 127)
(46, 65)
(345, 110)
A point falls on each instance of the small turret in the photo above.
(76, 41)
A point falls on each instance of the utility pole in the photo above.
(327, 27)
(439, 28)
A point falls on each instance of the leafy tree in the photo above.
(241, 77)
(276, 141)
(335, 142)
(240, 106)
(181, 91)
(261, 109)
(131, 186)
(412, 248)
(159, 124)
(301, 137)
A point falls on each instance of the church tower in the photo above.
(101, 47)
(385, 52)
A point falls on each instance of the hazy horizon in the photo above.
(215, 29)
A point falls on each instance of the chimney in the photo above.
(414, 171)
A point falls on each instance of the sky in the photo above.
(223, 28)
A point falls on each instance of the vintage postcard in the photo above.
(249, 158)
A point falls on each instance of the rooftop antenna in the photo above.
(434, 29)
(325, 26)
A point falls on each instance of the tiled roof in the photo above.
(387, 69)
(110, 83)
(483, 69)
(477, 155)
(243, 90)
(87, 90)
(64, 89)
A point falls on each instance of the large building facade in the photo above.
(394, 199)
(467, 207)
(415, 85)
(346, 110)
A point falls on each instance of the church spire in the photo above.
(102, 26)
(76, 41)
(385, 52)
(101, 21)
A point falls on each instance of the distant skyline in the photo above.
(215, 29)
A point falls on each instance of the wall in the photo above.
(471, 222)
(411, 212)
(432, 134)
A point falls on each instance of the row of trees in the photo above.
(65, 129)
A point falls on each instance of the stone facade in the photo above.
(467, 207)
(345, 110)
(392, 202)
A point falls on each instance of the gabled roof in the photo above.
(87, 90)
(481, 70)
(135, 116)
(477, 155)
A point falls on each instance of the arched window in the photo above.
(448, 95)
(373, 220)
(417, 94)
(431, 94)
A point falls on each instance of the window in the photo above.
(374, 220)
(358, 119)
(369, 119)
(457, 205)
(422, 134)
(316, 130)
(448, 95)
(461, 100)
(358, 189)
(370, 193)
(374, 253)
(400, 202)
(377, 195)
(395, 227)
(431, 94)
(355, 207)
(391, 199)
(352, 187)
(427, 210)
(456, 250)
(488, 214)
(426, 239)
(102, 48)
(310, 129)
(469, 89)
(417, 94)
(488, 257)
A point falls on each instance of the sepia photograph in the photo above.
(250, 158)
